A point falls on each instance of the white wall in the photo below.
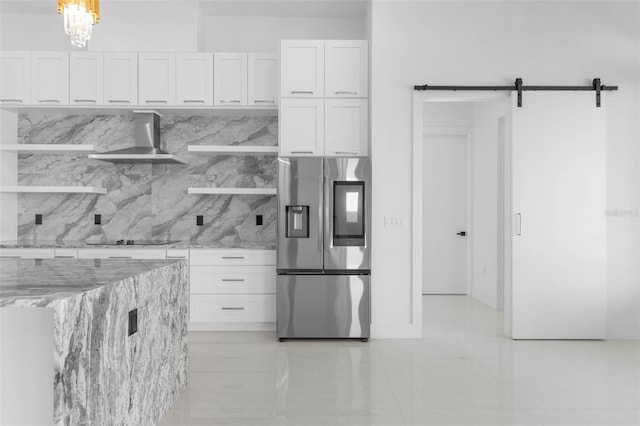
(8, 177)
(480, 42)
(484, 237)
(33, 31)
(263, 34)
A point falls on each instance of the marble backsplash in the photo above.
(148, 201)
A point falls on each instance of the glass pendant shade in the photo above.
(79, 18)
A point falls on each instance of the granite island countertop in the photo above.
(175, 245)
(43, 282)
(95, 367)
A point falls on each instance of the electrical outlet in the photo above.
(200, 220)
(97, 219)
(258, 220)
(133, 321)
(38, 219)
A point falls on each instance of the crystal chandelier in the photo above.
(79, 18)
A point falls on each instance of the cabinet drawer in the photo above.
(27, 253)
(221, 257)
(233, 279)
(66, 253)
(177, 253)
(123, 253)
(233, 309)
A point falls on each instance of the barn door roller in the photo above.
(519, 87)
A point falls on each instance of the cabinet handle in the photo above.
(116, 101)
(302, 92)
(85, 100)
(156, 102)
(176, 257)
(302, 152)
(10, 257)
(233, 279)
(11, 100)
(264, 101)
(226, 308)
(65, 257)
(237, 101)
(346, 152)
(119, 257)
(187, 101)
(346, 93)
(57, 101)
(233, 257)
(519, 224)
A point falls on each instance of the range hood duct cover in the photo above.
(146, 147)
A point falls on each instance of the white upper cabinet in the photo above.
(15, 78)
(194, 79)
(345, 127)
(85, 78)
(120, 79)
(262, 74)
(346, 64)
(302, 68)
(230, 79)
(301, 130)
(50, 78)
(157, 79)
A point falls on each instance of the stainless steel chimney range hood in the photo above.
(146, 147)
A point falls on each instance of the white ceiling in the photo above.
(310, 8)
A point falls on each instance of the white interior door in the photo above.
(559, 243)
(444, 269)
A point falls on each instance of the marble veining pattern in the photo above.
(102, 376)
(148, 201)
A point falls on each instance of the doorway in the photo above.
(445, 220)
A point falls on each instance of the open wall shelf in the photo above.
(233, 149)
(231, 191)
(48, 148)
(56, 189)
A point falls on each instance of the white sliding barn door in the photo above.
(559, 243)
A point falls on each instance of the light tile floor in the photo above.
(462, 372)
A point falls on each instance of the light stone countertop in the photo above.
(177, 245)
(44, 282)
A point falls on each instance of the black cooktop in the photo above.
(133, 243)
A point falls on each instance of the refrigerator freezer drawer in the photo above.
(323, 306)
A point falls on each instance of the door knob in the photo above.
(462, 233)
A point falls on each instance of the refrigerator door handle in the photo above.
(320, 214)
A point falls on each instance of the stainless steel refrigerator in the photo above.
(324, 248)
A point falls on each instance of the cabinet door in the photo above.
(301, 127)
(15, 78)
(120, 78)
(50, 78)
(346, 68)
(85, 78)
(157, 78)
(346, 127)
(194, 79)
(262, 72)
(301, 68)
(230, 79)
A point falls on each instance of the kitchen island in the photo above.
(91, 341)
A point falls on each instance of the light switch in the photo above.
(394, 221)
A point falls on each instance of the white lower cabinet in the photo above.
(232, 289)
(26, 253)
